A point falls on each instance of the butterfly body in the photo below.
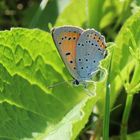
(81, 50)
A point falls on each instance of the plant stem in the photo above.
(107, 114)
(107, 103)
(127, 109)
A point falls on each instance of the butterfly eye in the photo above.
(86, 59)
(94, 61)
(74, 38)
(79, 59)
(59, 42)
(71, 61)
(82, 68)
(82, 44)
(69, 38)
(92, 44)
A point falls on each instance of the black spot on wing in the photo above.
(68, 53)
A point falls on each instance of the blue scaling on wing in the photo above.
(90, 51)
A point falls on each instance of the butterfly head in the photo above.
(76, 82)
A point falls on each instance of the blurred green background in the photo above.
(106, 16)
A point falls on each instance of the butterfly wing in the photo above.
(65, 39)
(89, 51)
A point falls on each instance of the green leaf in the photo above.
(134, 136)
(73, 14)
(29, 64)
(38, 16)
(95, 12)
(117, 11)
(123, 60)
(127, 38)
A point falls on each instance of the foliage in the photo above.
(30, 64)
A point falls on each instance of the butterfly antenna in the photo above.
(59, 83)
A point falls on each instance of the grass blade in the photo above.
(107, 105)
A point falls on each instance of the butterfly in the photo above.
(81, 50)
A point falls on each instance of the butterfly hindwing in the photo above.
(89, 51)
(65, 39)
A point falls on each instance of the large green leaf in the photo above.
(29, 64)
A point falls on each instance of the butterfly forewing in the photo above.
(65, 39)
(89, 51)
